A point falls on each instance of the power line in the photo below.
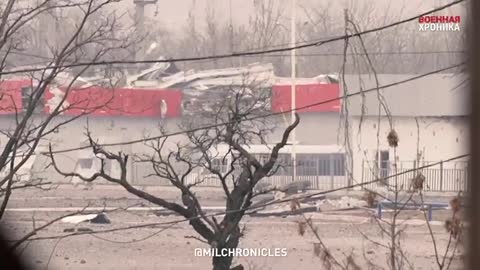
(304, 54)
(27, 54)
(265, 115)
(326, 54)
(258, 206)
(368, 53)
(222, 56)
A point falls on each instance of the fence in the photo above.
(445, 176)
(322, 176)
(325, 175)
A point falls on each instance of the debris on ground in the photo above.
(288, 192)
(71, 230)
(346, 203)
(279, 195)
(78, 218)
(295, 187)
(101, 219)
(262, 187)
(305, 204)
(284, 209)
(84, 230)
(92, 218)
(262, 200)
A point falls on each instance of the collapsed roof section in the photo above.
(167, 75)
(165, 88)
(199, 87)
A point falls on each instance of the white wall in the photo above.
(313, 129)
(437, 139)
(72, 135)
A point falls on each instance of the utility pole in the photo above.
(139, 52)
(436, 4)
(47, 32)
(231, 32)
(293, 85)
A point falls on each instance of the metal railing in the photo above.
(319, 175)
(316, 177)
(442, 177)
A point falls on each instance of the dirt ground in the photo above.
(157, 248)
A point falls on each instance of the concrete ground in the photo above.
(156, 248)
(344, 232)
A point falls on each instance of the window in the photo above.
(281, 167)
(308, 164)
(330, 164)
(313, 165)
(321, 164)
(382, 160)
(27, 93)
(220, 164)
(338, 164)
(262, 158)
(85, 163)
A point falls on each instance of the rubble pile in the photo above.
(346, 203)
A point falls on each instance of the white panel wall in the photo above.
(436, 138)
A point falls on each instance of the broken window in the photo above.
(85, 163)
(220, 164)
(28, 94)
(382, 160)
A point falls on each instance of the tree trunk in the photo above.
(225, 262)
(222, 263)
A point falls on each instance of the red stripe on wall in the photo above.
(11, 95)
(151, 102)
(305, 95)
(119, 102)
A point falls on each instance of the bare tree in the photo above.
(401, 196)
(403, 45)
(178, 162)
(35, 122)
(266, 28)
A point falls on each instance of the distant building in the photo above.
(428, 114)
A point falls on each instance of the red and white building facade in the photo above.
(134, 113)
(432, 125)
